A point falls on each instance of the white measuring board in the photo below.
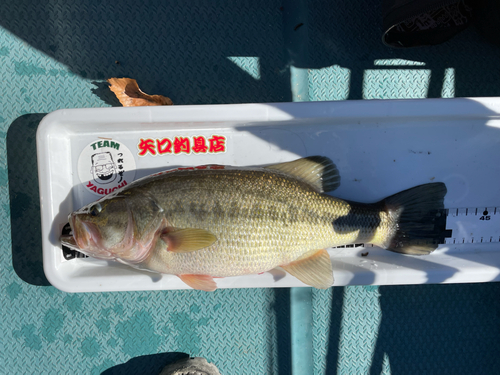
(380, 148)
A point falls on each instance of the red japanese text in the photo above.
(181, 145)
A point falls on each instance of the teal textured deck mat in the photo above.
(57, 54)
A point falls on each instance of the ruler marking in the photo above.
(470, 224)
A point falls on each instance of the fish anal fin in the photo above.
(199, 282)
(318, 171)
(185, 240)
(313, 268)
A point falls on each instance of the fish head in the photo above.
(120, 227)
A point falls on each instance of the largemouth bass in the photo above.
(219, 221)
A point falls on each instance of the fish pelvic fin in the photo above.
(414, 216)
(314, 269)
(199, 282)
(318, 171)
(185, 240)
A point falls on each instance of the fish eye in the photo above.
(95, 209)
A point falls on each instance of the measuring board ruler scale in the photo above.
(457, 225)
(473, 225)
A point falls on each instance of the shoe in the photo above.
(190, 366)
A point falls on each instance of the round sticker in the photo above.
(106, 165)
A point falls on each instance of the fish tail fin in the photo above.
(415, 219)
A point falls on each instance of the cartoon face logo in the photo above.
(103, 168)
(105, 165)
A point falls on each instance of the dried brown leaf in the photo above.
(130, 95)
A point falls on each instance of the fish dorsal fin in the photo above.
(318, 171)
(185, 240)
(199, 282)
(314, 269)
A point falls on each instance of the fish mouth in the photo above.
(69, 241)
(85, 238)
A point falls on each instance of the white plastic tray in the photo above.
(380, 148)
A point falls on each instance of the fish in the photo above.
(214, 221)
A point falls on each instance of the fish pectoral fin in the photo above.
(314, 269)
(318, 171)
(186, 240)
(199, 282)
